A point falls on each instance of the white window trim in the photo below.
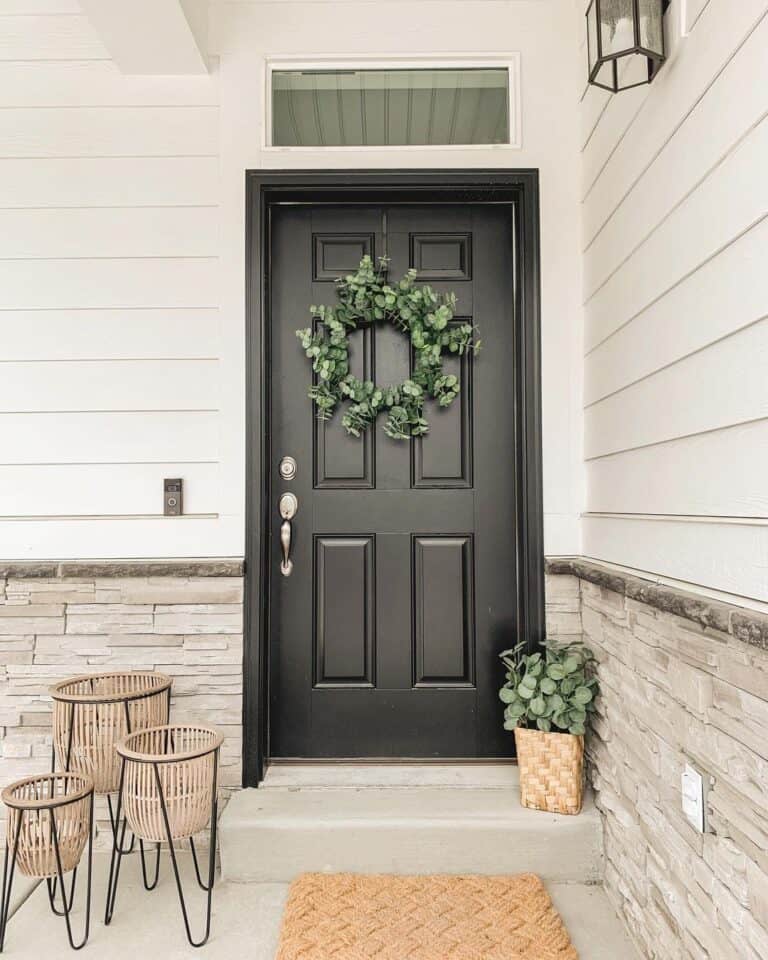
(509, 61)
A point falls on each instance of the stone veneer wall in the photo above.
(683, 678)
(59, 620)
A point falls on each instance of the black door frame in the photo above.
(519, 188)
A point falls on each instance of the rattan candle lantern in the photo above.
(50, 820)
(90, 714)
(168, 793)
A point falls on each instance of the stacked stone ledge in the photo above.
(61, 620)
(684, 679)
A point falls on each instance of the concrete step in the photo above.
(275, 833)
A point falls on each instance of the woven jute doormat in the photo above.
(346, 916)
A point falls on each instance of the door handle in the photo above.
(288, 505)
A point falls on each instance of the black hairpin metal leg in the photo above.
(115, 825)
(51, 884)
(53, 881)
(117, 853)
(200, 882)
(60, 877)
(211, 858)
(149, 885)
(9, 866)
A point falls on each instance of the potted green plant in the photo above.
(548, 696)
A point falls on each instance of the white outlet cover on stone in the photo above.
(693, 797)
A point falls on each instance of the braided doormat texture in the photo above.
(346, 916)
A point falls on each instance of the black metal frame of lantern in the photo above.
(604, 67)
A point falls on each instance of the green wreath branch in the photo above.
(366, 297)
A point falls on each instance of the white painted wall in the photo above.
(122, 258)
(675, 200)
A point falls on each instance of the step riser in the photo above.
(275, 834)
(279, 853)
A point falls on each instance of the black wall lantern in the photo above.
(625, 42)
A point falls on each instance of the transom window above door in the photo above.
(393, 106)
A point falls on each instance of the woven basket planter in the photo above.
(91, 713)
(38, 804)
(182, 760)
(551, 770)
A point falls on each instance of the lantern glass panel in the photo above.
(617, 26)
(651, 26)
(592, 35)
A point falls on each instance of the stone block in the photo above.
(740, 715)
(118, 622)
(757, 893)
(562, 623)
(15, 625)
(32, 610)
(190, 623)
(172, 590)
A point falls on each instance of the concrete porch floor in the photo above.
(246, 920)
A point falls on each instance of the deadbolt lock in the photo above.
(288, 468)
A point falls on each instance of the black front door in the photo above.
(384, 638)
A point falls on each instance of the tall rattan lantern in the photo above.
(625, 42)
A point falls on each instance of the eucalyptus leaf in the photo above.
(537, 706)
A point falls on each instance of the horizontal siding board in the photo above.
(712, 217)
(65, 284)
(110, 385)
(615, 120)
(109, 232)
(37, 7)
(694, 10)
(92, 83)
(123, 539)
(734, 104)
(727, 293)
(591, 108)
(109, 437)
(103, 489)
(109, 181)
(720, 31)
(105, 132)
(720, 473)
(110, 334)
(49, 38)
(732, 557)
(720, 386)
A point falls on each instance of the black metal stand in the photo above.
(114, 816)
(9, 868)
(118, 851)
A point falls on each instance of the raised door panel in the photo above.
(442, 256)
(444, 457)
(344, 611)
(443, 611)
(336, 254)
(341, 461)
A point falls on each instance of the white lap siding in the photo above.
(676, 344)
(109, 303)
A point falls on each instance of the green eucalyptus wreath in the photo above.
(366, 297)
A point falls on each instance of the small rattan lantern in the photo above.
(168, 792)
(50, 820)
(91, 713)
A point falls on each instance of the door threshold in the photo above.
(367, 774)
(388, 761)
